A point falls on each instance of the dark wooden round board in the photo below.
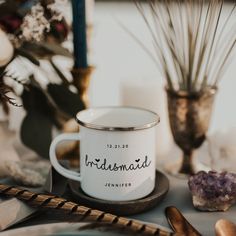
(123, 207)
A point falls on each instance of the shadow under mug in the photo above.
(117, 152)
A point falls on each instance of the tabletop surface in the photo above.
(178, 196)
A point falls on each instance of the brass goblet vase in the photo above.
(189, 116)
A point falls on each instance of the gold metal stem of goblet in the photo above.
(186, 167)
(81, 80)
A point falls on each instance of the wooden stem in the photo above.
(186, 167)
(84, 213)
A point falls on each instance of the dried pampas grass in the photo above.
(193, 44)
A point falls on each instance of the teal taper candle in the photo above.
(79, 32)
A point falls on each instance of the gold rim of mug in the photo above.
(110, 128)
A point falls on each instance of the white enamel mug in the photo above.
(117, 152)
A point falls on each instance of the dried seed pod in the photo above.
(225, 228)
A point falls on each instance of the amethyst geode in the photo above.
(213, 191)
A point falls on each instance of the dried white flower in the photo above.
(14, 40)
(56, 9)
(35, 24)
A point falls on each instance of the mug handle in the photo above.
(53, 158)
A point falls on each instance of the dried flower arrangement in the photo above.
(32, 32)
(193, 44)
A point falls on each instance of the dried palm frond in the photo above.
(193, 45)
(84, 213)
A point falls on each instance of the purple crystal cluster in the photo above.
(213, 191)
